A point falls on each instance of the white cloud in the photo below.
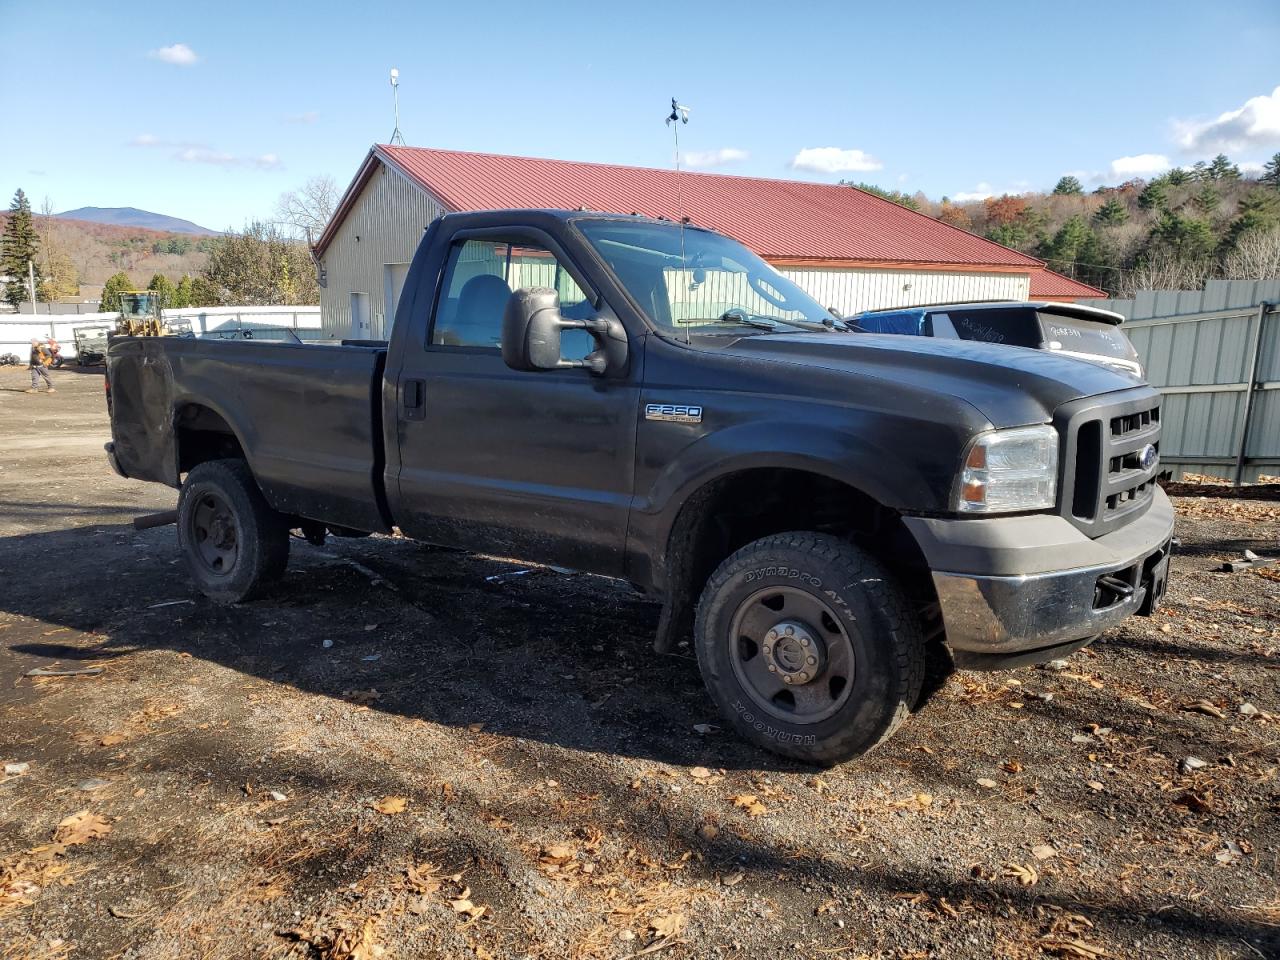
(1255, 124)
(834, 160)
(714, 158)
(186, 152)
(309, 116)
(1251, 169)
(904, 177)
(178, 54)
(980, 192)
(1139, 165)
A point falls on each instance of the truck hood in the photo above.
(1010, 386)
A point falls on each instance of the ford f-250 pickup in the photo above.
(812, 505)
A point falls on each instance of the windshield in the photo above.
(717, 284)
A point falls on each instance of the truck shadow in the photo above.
(402, 627)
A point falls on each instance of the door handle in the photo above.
(413, 399)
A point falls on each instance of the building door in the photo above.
(359, 316)
(393, 276)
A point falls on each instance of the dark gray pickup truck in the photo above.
(814, 506)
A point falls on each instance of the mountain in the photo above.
(133, 217)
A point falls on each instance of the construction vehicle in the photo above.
(141, 316)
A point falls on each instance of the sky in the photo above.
(210, 111)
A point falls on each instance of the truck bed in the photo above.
(308, 418)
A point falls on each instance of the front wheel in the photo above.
(233, 543)
(809, 647)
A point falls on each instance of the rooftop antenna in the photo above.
(395, 96)
(679, 115)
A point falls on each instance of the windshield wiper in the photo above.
(756, 320)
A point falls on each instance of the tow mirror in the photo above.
(531, 331)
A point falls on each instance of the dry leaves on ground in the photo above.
(389, 806)
(750, 803)
(1025, 874)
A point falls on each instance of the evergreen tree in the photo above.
(18, 248)
(1199, 171)
(164, 290)
(1222, 169)
(1207, 199)
(1068, 186)
(1177, 177)
(116, 284)
(1154, 196)
(1062, 253)
(1260, 210)
(182, 292)
(1271, 172)
(1112, 213)
(1187, 238)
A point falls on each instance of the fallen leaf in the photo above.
(987, 782)
(1074, 949)
(1042, 851)
(700, 773)
(750, 803)
(391, 805)
(1025, 875)
(464, 905)
(1095, 785)
(1207, 707)
(1011, 766)
(113, 739)
(669, 925)
(80, 828)
(558, 853)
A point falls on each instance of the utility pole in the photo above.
(31, 278)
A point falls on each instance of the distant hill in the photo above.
(133, 217)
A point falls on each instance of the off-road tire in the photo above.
(261, 534)
(886, 638)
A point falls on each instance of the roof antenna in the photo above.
(395, 96)
(679, 114)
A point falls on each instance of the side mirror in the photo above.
(531, 330)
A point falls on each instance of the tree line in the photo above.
(267, 263)
(1173, 231)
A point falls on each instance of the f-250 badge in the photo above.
(677, 412)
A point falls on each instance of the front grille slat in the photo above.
(1106, 442)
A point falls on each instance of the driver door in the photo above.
(534, 465)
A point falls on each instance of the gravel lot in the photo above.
(409, 752)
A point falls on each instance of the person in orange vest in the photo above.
(39, 364)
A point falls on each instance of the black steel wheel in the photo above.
(809, 647)
(792, 655)
(233, 543)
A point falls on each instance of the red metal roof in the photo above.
(1047, 285)
(778, 219)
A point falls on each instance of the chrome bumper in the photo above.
(1005, 619)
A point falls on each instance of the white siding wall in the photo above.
(389, 217)
(852, 291)
(391, 214)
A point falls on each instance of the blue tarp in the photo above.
(908, 323)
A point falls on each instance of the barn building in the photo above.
(849, 249)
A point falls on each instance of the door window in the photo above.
(480, 278)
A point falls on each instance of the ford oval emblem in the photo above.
(1147, 458)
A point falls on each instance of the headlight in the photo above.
(1009, 470)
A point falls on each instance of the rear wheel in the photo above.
(233, 543)
(808, 646)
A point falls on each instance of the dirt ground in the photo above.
(408, 752)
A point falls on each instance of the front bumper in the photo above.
(1016, 590)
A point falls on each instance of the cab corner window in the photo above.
(480, 277)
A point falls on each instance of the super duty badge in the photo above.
(677, 412)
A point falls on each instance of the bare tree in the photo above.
(1165, 270)
(1256, 256)
(305, 211)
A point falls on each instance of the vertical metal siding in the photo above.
(1196, 346)
(852, 290)
(389, 217)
